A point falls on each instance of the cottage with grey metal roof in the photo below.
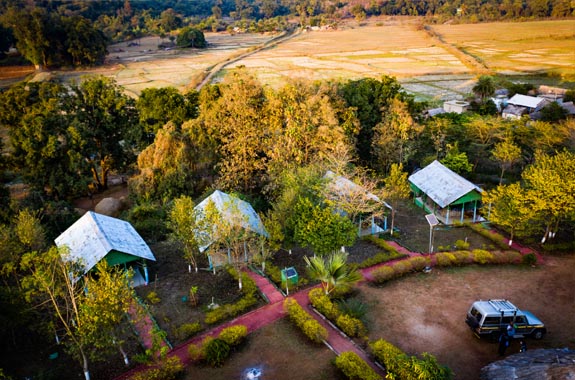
(95, 237)
(449, 196)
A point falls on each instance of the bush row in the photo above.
(249, 291)
(308, 325)
(168, 369)
(402, 366)
(447, 259)
(351, 326)
(188, 330)
(398, 269)
(491, 235)
(214, 351)
(381, 243)
(355, 367)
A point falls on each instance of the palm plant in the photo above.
(332, 271)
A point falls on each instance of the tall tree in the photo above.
(394, 135)
(396, 189)
(105, 118)
(87, 318)
(484, 88)
(182, 221)
(321, 228)
(157, 106)
(550, 181)
(509, 207)
(506, 153)
(235, 120)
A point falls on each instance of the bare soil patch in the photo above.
(426, 312)
(282, 353)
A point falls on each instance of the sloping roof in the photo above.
(94, 235)
(514, 110)
(227, 205)
(441, 184)
(344, 185)
(525, 101)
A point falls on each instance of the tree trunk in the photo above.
(85, 365)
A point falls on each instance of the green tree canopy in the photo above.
(191, 37)
(321, 228)
(332, 271)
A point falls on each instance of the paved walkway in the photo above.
(270, 313)
(143, 324)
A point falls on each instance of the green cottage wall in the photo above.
(116, 257)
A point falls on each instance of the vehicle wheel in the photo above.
(538, 334)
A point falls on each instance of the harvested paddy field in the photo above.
(396, 48)
(517, 47)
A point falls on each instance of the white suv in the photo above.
(490, 318)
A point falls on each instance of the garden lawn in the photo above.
(426, 312)
(281, 351)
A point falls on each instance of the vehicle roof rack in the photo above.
(502, 305)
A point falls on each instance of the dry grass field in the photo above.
(517, 47)
(433, 69)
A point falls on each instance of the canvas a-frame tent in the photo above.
(343, 187)
(444, 193)
(95, 237)
(228, 206)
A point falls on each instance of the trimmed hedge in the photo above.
(354, 367)
(350, 325)
(169, 369)
(381, 243)
(214, 350)
(491, 235)
(188, 329)
(308, 325)
(402, 366)
(234, 335)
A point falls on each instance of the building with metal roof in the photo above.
(446, 194)
(95, 237)
(233, 210)
(342, 187)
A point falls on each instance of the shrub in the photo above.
(481, 256)
(234, 335)
(529, 259)
(274, 273)
(216, 351)
(418, 263)
(153, 298)
(380, 258)
(169, 369)
(351, 326)
(323, 304)
(461, 245)
(445, 259)
(491, 235)
(383, 274)
(402, 267)
(309, 326)
(188, 329)
(508, 257)
(355, 367)
(382, 244)
(401, 366)
(461, 257)
(353, 307)
(196, 353)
